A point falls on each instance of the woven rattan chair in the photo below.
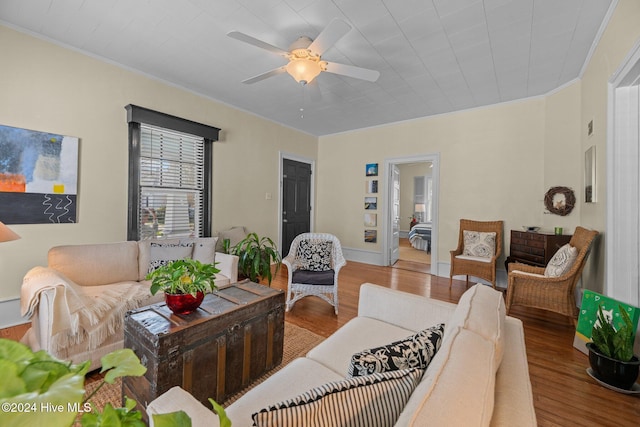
(303, 282)
(529, 287)
(483, 268)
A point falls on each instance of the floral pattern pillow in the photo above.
(314, 255)
(479, 243)
(562, 261)
(415, 351)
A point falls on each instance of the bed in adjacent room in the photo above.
(420, 236)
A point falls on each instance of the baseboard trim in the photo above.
(364, 256)
(10, 313)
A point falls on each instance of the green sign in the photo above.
(588, 315)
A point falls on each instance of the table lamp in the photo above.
(6, 235)
(419, 210)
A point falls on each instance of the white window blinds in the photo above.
(171, 183)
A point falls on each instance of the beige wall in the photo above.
(48, 88)
(491, 167)
(563, 162)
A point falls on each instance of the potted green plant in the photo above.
(38, 389)
(184, 283)
(611, 351)
(256, 254)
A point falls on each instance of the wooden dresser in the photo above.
(534, 248)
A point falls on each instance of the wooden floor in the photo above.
(412, 259)
(564, 395)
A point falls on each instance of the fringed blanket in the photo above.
(81, 314)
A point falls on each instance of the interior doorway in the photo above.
(416, 193)
(416, 197)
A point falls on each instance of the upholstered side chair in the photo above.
(476, 257)
(530, 286)
(313, 264)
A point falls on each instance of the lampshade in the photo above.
(419, 207)
(303, 70)
(6, 234)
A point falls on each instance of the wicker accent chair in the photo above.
(528, 286)
(483, 268)
(304, 282)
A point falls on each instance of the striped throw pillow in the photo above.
(371, 401)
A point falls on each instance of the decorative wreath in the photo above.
(561, 206)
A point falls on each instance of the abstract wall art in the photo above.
(38, 177)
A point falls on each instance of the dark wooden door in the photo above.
(296, 201)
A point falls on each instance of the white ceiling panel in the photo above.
(433, 56)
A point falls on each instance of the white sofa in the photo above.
(77, 303)
(479, 376)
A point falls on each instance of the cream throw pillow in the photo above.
(479, 243)
(562, 261)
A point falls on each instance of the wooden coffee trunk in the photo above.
(235, 336)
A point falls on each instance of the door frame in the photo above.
(387, 228)
(623, 161)
(282, 155)
(392, 219)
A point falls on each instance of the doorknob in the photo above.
(285, 220)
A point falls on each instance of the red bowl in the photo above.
(183, 303)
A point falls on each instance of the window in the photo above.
(423, 198)
(170, 176)
(419, 204)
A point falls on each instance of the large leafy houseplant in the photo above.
(40, 390)
(183, 276)
(256, 254)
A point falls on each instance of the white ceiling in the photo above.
(433, 56)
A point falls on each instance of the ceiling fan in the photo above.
(305, 56)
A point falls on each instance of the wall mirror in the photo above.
(590, 175)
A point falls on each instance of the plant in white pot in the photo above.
(184, 283)
(611, 351)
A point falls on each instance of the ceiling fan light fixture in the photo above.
(303, 70)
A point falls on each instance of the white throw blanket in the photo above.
(81, 314)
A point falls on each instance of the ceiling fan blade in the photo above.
(255, 42)
(351, 71)
(266, 75)
(333, 32)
